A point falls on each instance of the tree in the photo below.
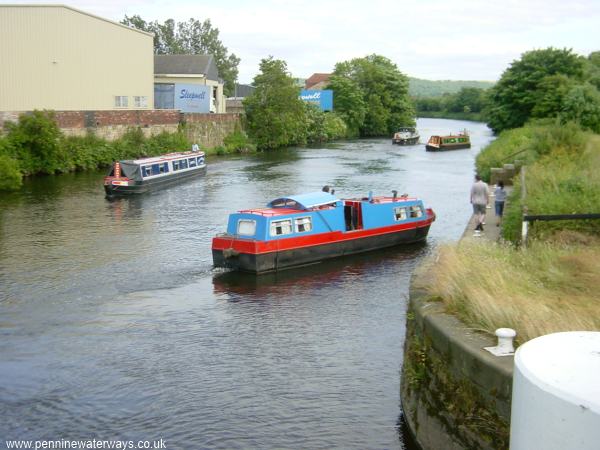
(275, 115)
(582, 105)
(348, 102)
(525, 84)
(384, 92)
(192, 37)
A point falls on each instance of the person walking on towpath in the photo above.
(500, 195)
(479, 199)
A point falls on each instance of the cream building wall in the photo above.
(57, 57)
(196, 79)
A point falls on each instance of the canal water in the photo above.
(114, 325)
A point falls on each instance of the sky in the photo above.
(430, 39)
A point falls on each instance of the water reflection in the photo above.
(336, 273)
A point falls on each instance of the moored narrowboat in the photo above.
(304, 229)
(450, 142)
(406, 136)
(137, 176)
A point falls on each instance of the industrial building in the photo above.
(57, 57)
(189, 83)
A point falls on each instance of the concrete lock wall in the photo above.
(455, 395)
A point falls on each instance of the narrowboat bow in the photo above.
(304, 229)
(142, 175)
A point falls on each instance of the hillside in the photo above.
(429, 88)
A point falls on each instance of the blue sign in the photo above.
(323, 99)
(192, 98)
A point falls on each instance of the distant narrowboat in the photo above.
(406, 136)
(142, 175)
(450, 142)
(304, 229)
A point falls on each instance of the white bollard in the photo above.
(505, 342)
(556, 393)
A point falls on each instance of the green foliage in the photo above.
(323, 126)
(36, 142)
(237, 142)
(562, 162)
(384, 92)
(428, 88)
(191, 37)
(10, 173)
(348, 102)
(468, 103)
(275, 116)
(36, 145)
(582, 104)
(528, 88)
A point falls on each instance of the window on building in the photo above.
(121, 101)
(279, 227)
(140, 101)
(246, 227)
(303, 224)
(400, 213)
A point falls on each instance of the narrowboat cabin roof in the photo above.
(304, 201)
(162, 158)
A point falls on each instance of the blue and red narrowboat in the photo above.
(308, 228)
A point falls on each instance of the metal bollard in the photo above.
(505, 342)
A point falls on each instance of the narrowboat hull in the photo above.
(259, 258)
(443, 148)
(141, 187)
(409, 141)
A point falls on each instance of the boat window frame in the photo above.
(146, 171)
(298, 219)
(416, 211)
(240, 221)
(183, 164)
(400, 213)
(200, 160)
(192, 162)
(273, 227)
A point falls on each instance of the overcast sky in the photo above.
(432, 39)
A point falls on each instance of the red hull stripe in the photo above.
(260, 247)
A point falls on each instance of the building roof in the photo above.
(304, 201)
(316, 78)
(186, 65)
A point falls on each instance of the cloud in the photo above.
(441, 39)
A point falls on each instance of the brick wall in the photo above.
(208, 130)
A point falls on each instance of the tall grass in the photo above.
(562, 181)
(550, 287)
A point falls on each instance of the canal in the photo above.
(114, 325)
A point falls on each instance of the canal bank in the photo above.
(455, 394)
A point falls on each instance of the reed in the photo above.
(549, 287)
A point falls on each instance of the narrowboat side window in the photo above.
(279, 227)
(400, 214)
(303, 224)
(416, 211)
(155, 169)
(192, 162)
(146, 171)
(200, 160)
(164, 167)
(183, 164)
(246, 227)
(175, 165)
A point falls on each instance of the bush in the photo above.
(10, 173)
(237, 142)
(36, 139)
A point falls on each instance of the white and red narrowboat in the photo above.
(304, 229)
(137, 176)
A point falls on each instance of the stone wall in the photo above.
(208, 130)
(455, 395)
